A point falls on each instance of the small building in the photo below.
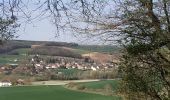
(5, 83)
(20, 82)
(93, 68)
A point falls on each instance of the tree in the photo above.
(146, 63)
(143, 28)
(8, 23)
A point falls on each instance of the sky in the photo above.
(41, 28)
(44, 30)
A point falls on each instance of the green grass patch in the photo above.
(101, 84)
(81, 51)
(96, 48)
(48, 93)
(8, 59)
(69, 72)
(22, 51)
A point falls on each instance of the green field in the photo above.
(22, 51)
(96, 48)
(10, 59)
(101, 84)
(48, 93)
(69, 72)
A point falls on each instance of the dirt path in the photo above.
(60, 82)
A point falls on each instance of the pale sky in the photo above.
(41, 29)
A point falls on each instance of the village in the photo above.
(40, 65)
(85, 63)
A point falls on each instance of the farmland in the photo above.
(48, 93)
(45, 64)
(101, 84)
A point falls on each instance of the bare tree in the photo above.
(142, 26)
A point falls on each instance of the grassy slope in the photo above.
(6, 59)
(22, 50)
(69, 71)
(81, 49)
(48, 93)
(96, 48)
(101, 84)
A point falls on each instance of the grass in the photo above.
(8, 59)
(69, 72)
(101, 84)
(95, 48)
(48, 93)
(22, 51)
(81, 51)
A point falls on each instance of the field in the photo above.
(9, 58)
(83, 49)
(48, 93)
(69, 72)
(101, 84)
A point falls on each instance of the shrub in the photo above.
(108, 88)
(80, 87)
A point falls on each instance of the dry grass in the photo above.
(101, 57)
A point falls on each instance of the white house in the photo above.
(5, 83)
(93, 68)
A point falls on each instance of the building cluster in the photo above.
(5, 83)
(71, 63)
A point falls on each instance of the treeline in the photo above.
(46, 43)
(54, 51)
(64, 44)
(76, 75)
(9, 46)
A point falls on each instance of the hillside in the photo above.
(17, 44)
(101, 57)
(15, 50)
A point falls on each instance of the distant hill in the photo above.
(54, 51)
(17, 44)
(102, 58)
(18, 49)
(11, 46)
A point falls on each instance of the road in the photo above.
(60, 82)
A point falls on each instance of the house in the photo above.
(5, 83)
(93, 68)
(20, 82)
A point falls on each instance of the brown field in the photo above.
(101, 57)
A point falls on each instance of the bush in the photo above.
(80, 87)
(108, 88)
(76, 86)
(71, 85)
